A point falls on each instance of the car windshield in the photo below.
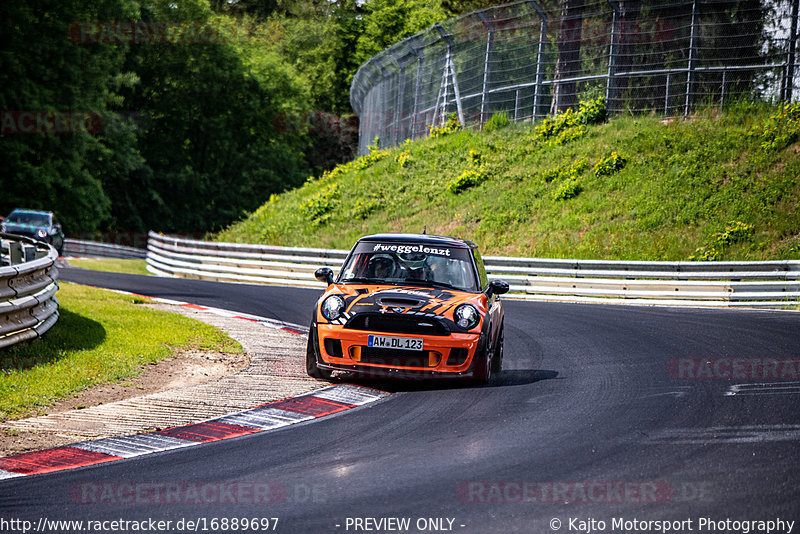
(22, 217)
(410, 263)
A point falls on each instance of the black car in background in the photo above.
(40, 225)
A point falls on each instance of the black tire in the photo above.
(482, 367)
(497, 360)
(311, 357)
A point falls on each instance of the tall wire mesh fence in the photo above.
(533, 58)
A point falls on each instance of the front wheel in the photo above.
(312, 369)
(497, 360)
(483, 368)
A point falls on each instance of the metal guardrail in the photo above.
(75, 247)
(28, 274)
(724, 284)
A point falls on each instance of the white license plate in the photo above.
(390, 342)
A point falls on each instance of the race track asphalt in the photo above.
(588, 421)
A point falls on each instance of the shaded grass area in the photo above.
(669, 193)
(112, 265)
(100, 337)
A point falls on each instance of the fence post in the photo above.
(397, 114)
(486, 66)
(690, 65)
(789, 89)
(401, 84)
(612, 49)
(418, 88)
(537, 95)
(382, 141)
(450, 64)
(666, 95)
(722, 93)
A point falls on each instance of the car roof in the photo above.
(423, 239)
(33, 212)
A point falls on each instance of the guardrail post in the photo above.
(486, 67)
(29, 252)
(15, 252)
(690, 65)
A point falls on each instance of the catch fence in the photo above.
(533, 58)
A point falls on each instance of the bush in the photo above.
(567, 189)
(451, 126)
(609, 165)
(472, 176)
(781, 129)
(403, 158)
(318, 208)
(498, 121)
(569, 125)
(566, 172)
(735, 232)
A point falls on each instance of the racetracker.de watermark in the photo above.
(202, 493)
(597, 491)
(724, 368)
(50, 122)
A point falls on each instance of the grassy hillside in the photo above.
(718, 186)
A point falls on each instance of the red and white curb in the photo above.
(271, 416)
(267, 417)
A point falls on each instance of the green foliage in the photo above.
(386, 22)
(450, 126)
(375, 155)
(474, 175)
(364, 208)
(100, 337)
(781, 128)
(735, 232)
(404, 158)
(498, 121)
(567, 189)
(592, 110)
(569, 125)
(690, 179)
(44, 71)
(317, 209)
(609, 165)
(566, 172)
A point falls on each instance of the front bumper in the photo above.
(347, 350)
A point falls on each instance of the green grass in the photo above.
(100, 337)
(113, 265)
(538, 191)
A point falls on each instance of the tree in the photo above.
(61, 164)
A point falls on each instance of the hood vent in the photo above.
(399, 302)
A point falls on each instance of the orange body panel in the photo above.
(359, 296)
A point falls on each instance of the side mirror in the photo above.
(324, 274)
(497, 287)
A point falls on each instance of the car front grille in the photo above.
(398, 324)
(396, 358)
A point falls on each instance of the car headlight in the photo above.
(466, 316)
(332, 307)
(41, 232)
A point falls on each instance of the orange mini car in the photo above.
(408, 306)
